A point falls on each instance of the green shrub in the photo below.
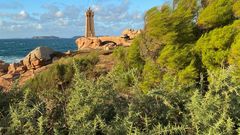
(134, 58)
(24, 114)
(90, 101)
(209, 114)
(151, 76)
(60, 74)
(120, 56)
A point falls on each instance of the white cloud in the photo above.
(22, 15)
(96, 8)
(116, 13)
(62, 22)
(137, 16)
(59, 14)
(15, 27)
(53, 13)
(38, 26)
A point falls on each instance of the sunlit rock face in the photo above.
(130, 33)
(38, 57)
(107, 42)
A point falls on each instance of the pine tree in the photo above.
(214, 47)
(217, 13)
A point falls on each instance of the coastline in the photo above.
(14, 50)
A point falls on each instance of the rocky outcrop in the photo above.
(39, 57)
(107, 42)
(9, 73)
(5, 83)
(33, 63)
(104, 43)
(88, 43)
(130, 33)
(119, 41)
(16, 68)
(3, 68)
(13, 73)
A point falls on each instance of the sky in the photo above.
(65, 18)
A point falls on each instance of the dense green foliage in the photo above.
(236, 8)
(217, 13)
(179, 76)
(215, 46)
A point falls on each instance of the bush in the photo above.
(60, 74)
(134, 58)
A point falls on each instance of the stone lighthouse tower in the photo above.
(89, 30)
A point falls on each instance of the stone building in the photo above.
(89, 30)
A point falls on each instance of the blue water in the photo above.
(13, 50)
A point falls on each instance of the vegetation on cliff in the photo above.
(179, 76)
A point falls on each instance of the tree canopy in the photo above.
(217, 13)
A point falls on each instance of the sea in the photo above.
(14, 50)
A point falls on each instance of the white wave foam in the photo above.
(10, 59)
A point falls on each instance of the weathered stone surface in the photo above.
(21, 69)
(118, 40)
(107, 42)
(38, 57)
(3, 68)
(130, 33)
(88, 43)
(12, 68)
(8, 76)
(5, 83)
(84, 43)
(109, 46)
(30, 74)
(1, 73)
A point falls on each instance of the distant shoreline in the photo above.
(49, 37)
